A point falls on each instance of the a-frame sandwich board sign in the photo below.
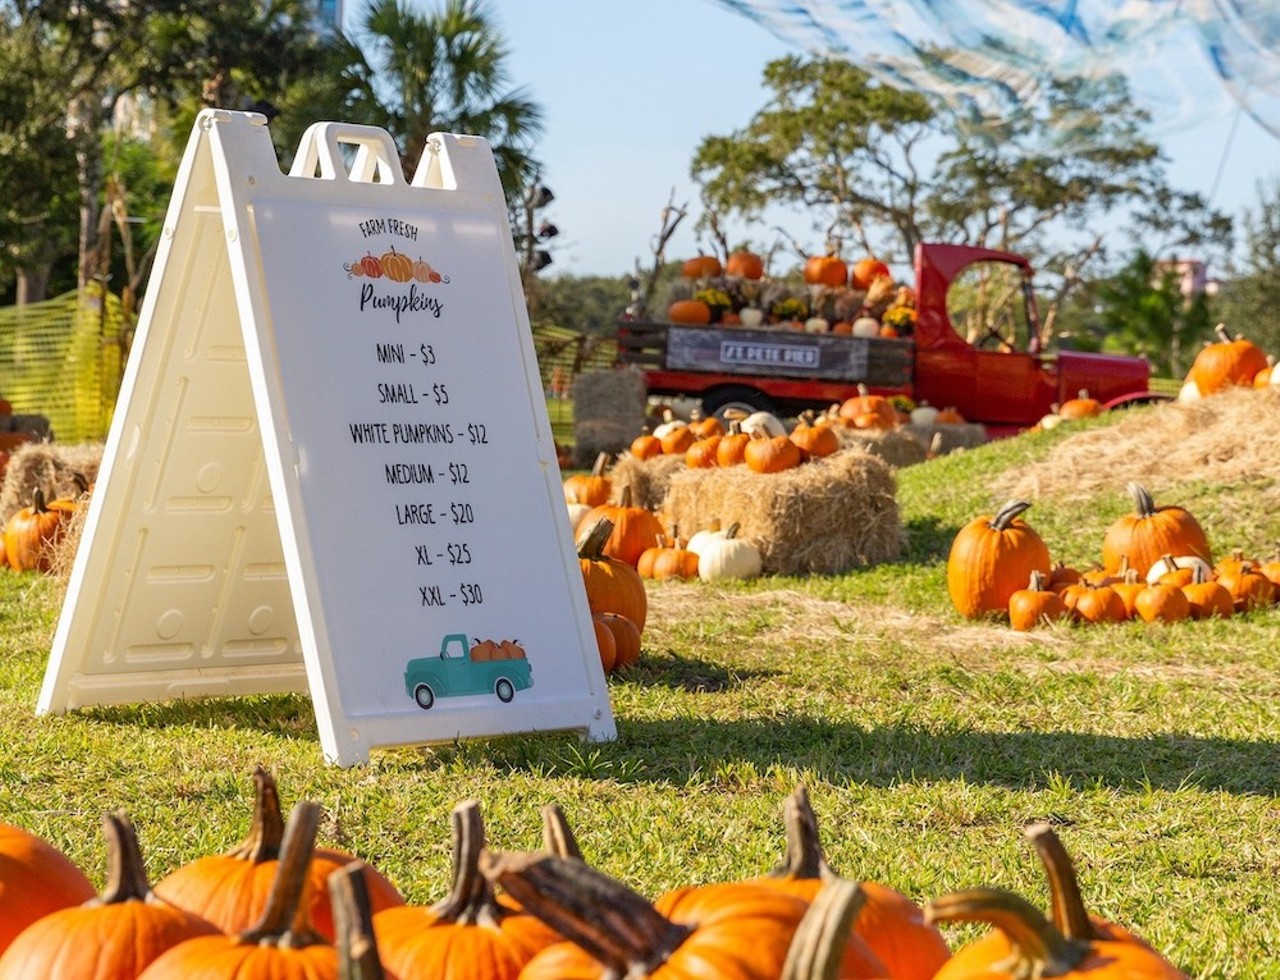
(330, 466)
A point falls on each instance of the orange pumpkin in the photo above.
(231, 890)
(675, 560)
(1035, 605)
(282, 944)
(746, 264)
(1229, 361)
(469, 932)
(868, 411)
(612, 585)
(626, 639)
(1080, 407)
(889, 924)
(634, 528)
(32, 533)
(700, 267)
(815, 439)
(1150, 532)
(866, 271)
(606, 646)
(770, 454)
(993, 557)
(591, 488)
(949, 416)
(1161, 603)
(397, 266)
(701, 453)
(117, 935)
(36, 879)
(691, 311)
(646, 445)
(825, 270)
(730, 449)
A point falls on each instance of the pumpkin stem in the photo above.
(1221, 330)
(1039, 948)
(1143, 503)
(803, 857)
(1006, 515)
(284, 920)
(126, 871)
(39, 502)
(591, 545)
(557, 836)
(1038, 581)
(602, 461)
(470, 900)
(266, 828)
(1066, 904)
(818, 945)
(353, 924)
(617, 926)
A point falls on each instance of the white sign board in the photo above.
(331, 468)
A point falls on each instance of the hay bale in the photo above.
(826, 517)
(948, 438)
(55, 469)
(647, 478)
(897, 447)
(608, 411)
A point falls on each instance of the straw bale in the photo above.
(51, 467)
(897, 447)
(1230, 437)
(647, 478)
(826, 517)
(608, 412)
(949, 437)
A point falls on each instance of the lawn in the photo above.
(927, 742)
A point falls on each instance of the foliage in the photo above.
(1141, 310)
(1250, 300)
(446, 71)
(585, 304)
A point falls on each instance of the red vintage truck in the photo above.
(1003, 380)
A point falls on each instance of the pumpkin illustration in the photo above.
(397, 266)
(372, 266)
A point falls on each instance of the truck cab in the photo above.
(996, 373)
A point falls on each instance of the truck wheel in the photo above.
(424, 696)
(738, 397)
(505, 690)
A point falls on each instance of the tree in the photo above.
(1249, 301)
(446, 71)
(885, 169)
(1142, 310)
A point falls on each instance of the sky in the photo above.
(630, 87)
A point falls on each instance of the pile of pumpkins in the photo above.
(1156, 566)
(32, 533)
(1225, 363)
(279, 907)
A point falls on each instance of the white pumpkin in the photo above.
(765, 422)
(701, 539)
(751, 316)
(1190, 391)
(924, 414)
(1174, 562)
(816, 324)
(729, 557)
(866, 326)
(1050, 421)
(576, 513)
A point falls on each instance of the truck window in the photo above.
(988, 307)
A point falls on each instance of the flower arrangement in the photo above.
(789, 308)
(900, 318)
(715, 298)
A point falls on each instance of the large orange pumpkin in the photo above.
(690, 311)
(466, 934)
(746, 264)
(866, 271)
(35, 879)
(888, 924)
(1229, 361)
(112, 937)
(613, 585)
(634, 528)
(700, 267)
(231, 890)
(1150, 532)
(32, 532)
(281, 945)
(735, 931)
(991, 558)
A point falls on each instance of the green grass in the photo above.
(927, 742)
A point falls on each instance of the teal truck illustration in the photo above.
(463, 667)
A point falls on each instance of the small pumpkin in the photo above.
(868, 411)
(32, 533)
(993, 557)
(1227, 362)
(866, 271)
(1249, 588)
(1035, 605)
(606, 645)
(1098, 604)
(825, 270)
(771, 454)
(730, 448)
(589, 488)
(700, 267)
(1207, 597)
(815, 439)
(626, 640)
(1080, 407)
(1177, 569)
(397, 266)
(1162, 603)
(689, 311)
(949, 415)
(701, 454)
(646, 445)
(675, 560)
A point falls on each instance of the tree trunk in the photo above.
(84, 123)
(32, 284)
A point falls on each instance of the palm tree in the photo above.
(445, 71)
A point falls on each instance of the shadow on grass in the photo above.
(927, 540)
(676, 751)
(689, 674)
